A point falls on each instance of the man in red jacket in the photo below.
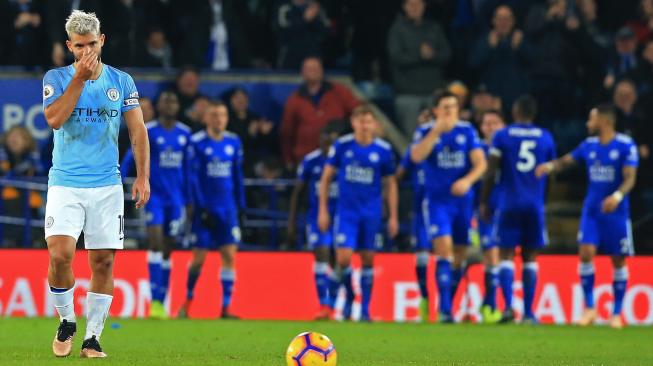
(309, 108)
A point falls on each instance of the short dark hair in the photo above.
(607, 110)
(496, 112)
(217, 103)
(187, 68)
(362, 110)
(442, 95)
(525, 107)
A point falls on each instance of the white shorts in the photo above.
(98, 212)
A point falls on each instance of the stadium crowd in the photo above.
(570, 55)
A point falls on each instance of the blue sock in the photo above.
(586, 271)
(619, 285)
(335, 280)
(443, 279)
(227, 277)
(420, 268)
(164, 280)
(529, 279)
(491, 282)
(346, 281)
(506, 278)
(154, 268)
(456, 276)
(193, 275)
(321, 271)
(367, 279)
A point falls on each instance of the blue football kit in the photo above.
(310, 172)
(610, 232)
(520, 212)
(360, 170)
(217, 186)
(169, 172)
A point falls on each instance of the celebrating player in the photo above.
(423, 247)
(611, 162)
(515, 152)
(169, 141)
(308, 175)
(453, 162)
(364, 167)
(218, 193)
(84, 104)
(491, 122)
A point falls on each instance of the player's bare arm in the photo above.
(479, 165)
(555, 166)
(422, 149)
(392, 197)
(611, 202)
(292, 212)
(323, 218)
(57, 113)
(141, 149)
(489, 180)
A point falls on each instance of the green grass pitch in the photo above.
(215, 342)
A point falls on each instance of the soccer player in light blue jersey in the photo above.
(363, 166)
(453, 162)
(611, 161)
(309, 173)
(419, 238)
(169, 141)
(218, 195)
(84, 103)
(491, 122)
(519, 215)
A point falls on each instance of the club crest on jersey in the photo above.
(593, 155)
(229, 150)
(49, 221)
(461, 139)
(208, 151)
(614, 154)
(349, 154)
(374, 157)
(48, 91)
(160, 140)
(317, 170)
(341, 238)
(113, 94)
(182, 140)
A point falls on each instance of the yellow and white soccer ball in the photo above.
(311, 349)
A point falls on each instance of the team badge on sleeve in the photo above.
(48, 91)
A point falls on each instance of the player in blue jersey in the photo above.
(84, 104)
(453, 161)
(169, 141)
(309, 173)
(363, 166)
(491, 122)
(611, 161)
(519, 215)
(419, 238)
(218, 195)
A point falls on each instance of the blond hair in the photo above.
(82, 23)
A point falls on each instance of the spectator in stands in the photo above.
(26, 32)
(19, 158)
(624, 58)
(482, 101)
(630, 118)
(191, 101)
(587, 15)
(302, 26)
(259, 135)
(502, 57)
(643, 74)
(418, 51)
(643, 25)
(556, 59)
(156, 51)
(210, 33)
(56, 13)
(314, 104)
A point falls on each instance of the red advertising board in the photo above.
(280, 286)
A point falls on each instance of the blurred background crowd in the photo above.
(568, 54)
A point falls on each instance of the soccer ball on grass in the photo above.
(311, 349)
